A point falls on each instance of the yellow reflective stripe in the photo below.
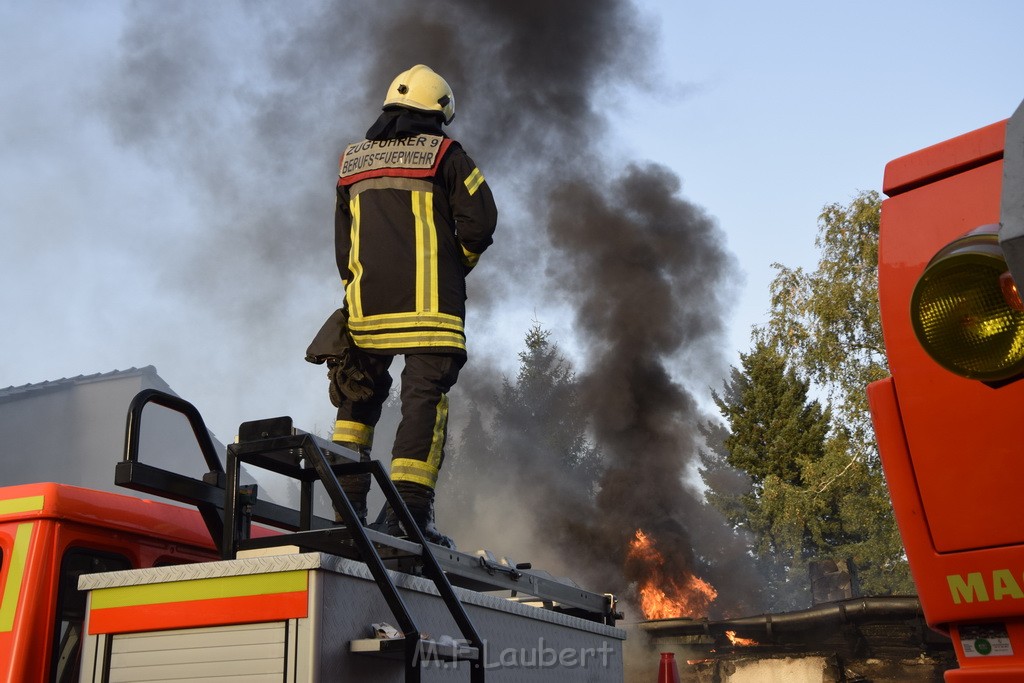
(385, 321)
(407, 469)
(432, 276)
(354, 290)
(469, 258)
(474, 181)
(437, 440)
(200, 589)
(18, 505)
(426, 251)
(417, 212)
(15, 573)
(353, 432)
(401, 340)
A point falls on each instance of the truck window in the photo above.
(70, 618)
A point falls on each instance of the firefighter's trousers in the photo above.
(419, 443)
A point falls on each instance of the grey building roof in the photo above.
(24, 390)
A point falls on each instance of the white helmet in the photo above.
(420, 88)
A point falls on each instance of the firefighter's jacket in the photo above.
(413, 216)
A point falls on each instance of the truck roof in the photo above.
(944, 159)
(103, 509)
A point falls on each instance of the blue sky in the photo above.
(765, 111)
(795, 105)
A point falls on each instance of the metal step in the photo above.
(428, 650)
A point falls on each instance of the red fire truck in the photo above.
(948, 420)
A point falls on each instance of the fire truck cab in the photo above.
(948, 422)
(50, 534)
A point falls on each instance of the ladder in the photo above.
(275, 445)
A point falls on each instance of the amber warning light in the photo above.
(967, 311)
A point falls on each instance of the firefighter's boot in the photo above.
(420, 501)
(355, 486)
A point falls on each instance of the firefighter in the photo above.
(413, 216)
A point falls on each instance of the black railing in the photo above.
(207, 495)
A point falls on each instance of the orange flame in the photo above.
(736, 640)
(666, 597)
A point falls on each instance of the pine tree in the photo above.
(533, 433)
(776, 437)
(540, 415)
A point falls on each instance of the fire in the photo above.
(736, 640)
(663, 596)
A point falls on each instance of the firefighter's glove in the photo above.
(348, 378)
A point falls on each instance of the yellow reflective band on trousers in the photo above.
(425, 472)
(437, 440)
(416, 471)
(15, 576)
(474, 181)
(353, 432)
(353, 293)
(426, 252)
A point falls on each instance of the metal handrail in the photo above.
(206, 495)
(133, 429)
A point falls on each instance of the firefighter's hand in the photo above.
(347, 381)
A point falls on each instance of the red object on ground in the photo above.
(668, 672)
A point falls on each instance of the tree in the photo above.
(536, 426)
(776, 436)
(827, 324)
(540, 414)
(521, 448)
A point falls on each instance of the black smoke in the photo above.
(247, 106)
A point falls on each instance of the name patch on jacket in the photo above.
(412, 157)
